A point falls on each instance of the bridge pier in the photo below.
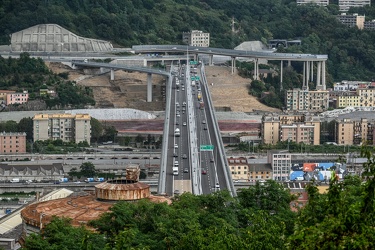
(211, 60)
(233, 60)
(149, 87)
(256, 69)
(112, 75)
(281, 76)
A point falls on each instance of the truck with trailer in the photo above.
(63, 179)
(89, 180)
(177, 132)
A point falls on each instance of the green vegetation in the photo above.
(351, 51)
(57, 147)
(260, 217)
(32, 74)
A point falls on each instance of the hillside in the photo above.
(351, 51)
(129, 90)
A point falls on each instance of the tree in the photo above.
(341, 219)
(60, 234)
(96, 129)
(26, 125)
(87, 169)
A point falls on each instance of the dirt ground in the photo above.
(129, 89)
(230, 91)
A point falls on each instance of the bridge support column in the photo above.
(211, 60)
(144, 63)
(112, 75)
(281, 76)
(256, 69)
(307, 72)
(233, 59)
(324, 75)
(289, 63)
(312, 71)
(195, 57)
(304, 85)
(318, 72)
(149, 87)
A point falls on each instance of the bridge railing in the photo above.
(220, 146)
(163, 161)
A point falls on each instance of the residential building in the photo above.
(47, 92)
(196, 38)
(242, 170)
(291, 127)
(318, 2)
(348, 85)
(369, 25)
(345, 5)
(67, 127)
(354, 132)
(307, 100)
(239, 168)
(17, 98)
(352, 20)
(260, 171)
(3, 95)
(12, 143)
(281, 162)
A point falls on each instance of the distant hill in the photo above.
(124, 23)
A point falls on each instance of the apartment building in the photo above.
(369, 25)
(12, 143)
(307, 100)
(318, 2)
(281, 163)
(17, 98)
(354, 132)
(352, 20)
(345, 5)
(291, 127)
(196, 38)
(349, 85)
(260, 171)
(67, 127)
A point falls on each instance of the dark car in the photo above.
(204, 171)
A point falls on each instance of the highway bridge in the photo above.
(197, 151)
(307, 59)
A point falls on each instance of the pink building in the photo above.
(17, 98)
(12, 143)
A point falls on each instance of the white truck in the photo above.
(15, 180)
(177, 132)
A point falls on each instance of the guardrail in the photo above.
(222, 154)
(164, 160)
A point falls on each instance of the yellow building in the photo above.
(239, 168)
(292, 127)
(67, 127)
(354, 132)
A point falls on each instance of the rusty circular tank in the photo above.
(122, 189)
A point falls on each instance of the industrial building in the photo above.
(54, 38)
(66, 127)
(84, 207)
